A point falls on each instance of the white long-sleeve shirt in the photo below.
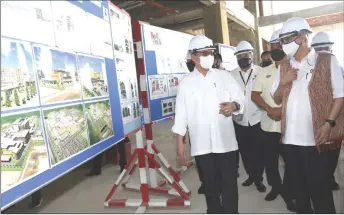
(252, 113)
(197, 108)
(299, 124)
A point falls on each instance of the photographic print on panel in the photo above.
(23, 151)
(99, 121)
(93, 76)
(18, 83)
(66, 131)
(57, 73)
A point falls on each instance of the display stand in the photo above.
(142, 204)
(147, 105)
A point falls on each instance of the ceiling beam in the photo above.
(194, 24)
(178, 18)
(307, 13)
(326, 20)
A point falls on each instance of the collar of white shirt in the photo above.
(196, 72)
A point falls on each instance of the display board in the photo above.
(60, 104)
(125, 68)
(164, 53)
(229, 61)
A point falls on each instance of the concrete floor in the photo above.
(74, 193)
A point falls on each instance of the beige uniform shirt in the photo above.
(263, 84)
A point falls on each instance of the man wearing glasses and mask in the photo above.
(206, 100)
(322, 42)
(310, 88)
(247, 125)
(271, 126)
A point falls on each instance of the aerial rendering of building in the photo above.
(99, 121)
(66, 131)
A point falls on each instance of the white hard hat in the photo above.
(199, 43)
(275, 36)
(243, 47)
(322, 39)
(294, 25)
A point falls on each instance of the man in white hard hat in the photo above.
(322, 42)
(247, 125)
(206, 100)
(310, 88)
(271, 125)
(279, 56)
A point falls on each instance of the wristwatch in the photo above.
(237, 106)
(331, 122)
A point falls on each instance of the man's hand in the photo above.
(181, 150)
(274, 113)
(227, 108)
(289, 77)
(323, 134)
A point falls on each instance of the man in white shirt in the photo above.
(247, 125)
(206, 100)
(322, 42)
(310, 88)
(270, 124)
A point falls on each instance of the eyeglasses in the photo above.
(245, 55)
(289, 37)
(204, 53)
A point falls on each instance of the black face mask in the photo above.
(244, 62)
(266, 63)
(191, 65)
(277, 54)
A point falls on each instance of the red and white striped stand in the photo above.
(153, 182)
(180, 168)
(141, 153)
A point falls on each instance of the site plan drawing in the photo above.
(71, 28)
(99, 121)
(66, 131)
(28, 20)
(100, 36)
(93, 76)
(18, 83)
(57, 73)
(23, 151)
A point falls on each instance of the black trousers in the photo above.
(198, 169)
(271, 142)
(97, 162)
(332, 158)
(309, 172)
(251, 150)
(219, 173)
(238, 158)
(288, 190)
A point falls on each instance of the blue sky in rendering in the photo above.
(60, 60)
(94, 63)
(10, 58)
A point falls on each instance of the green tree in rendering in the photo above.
(34, 88)
(7, 98)
(16, 97)
(31, 91)
(27, 93)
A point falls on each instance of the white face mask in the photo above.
(291, 49)
(206, 62)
